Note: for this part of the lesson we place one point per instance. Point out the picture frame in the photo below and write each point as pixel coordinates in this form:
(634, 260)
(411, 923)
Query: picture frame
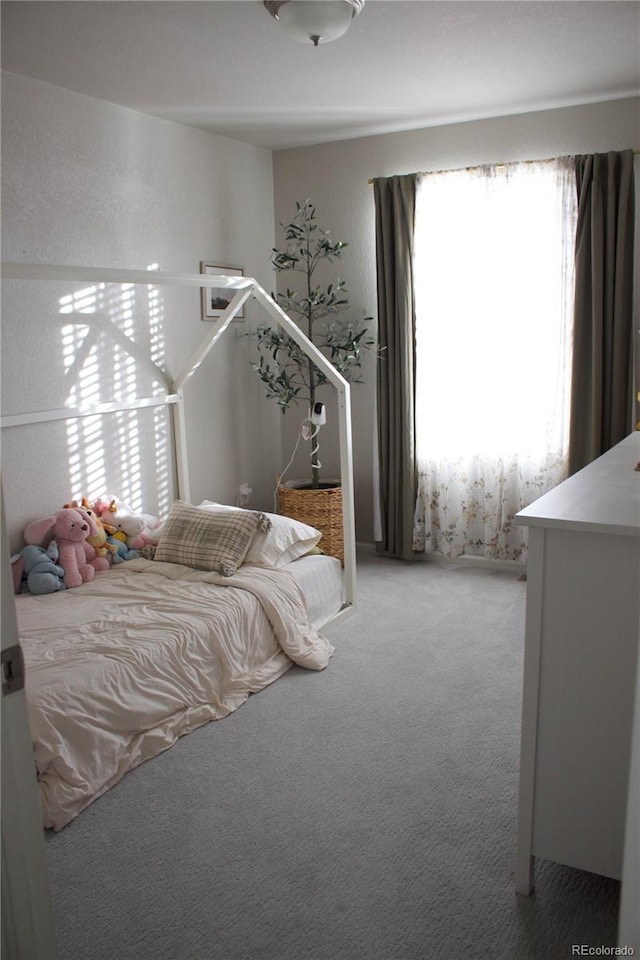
(215, 300)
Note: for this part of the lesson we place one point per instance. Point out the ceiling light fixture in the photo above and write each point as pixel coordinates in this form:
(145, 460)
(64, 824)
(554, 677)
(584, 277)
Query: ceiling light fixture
(315, 21)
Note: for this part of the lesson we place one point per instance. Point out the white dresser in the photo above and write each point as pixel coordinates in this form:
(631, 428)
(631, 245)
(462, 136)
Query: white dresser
(581, 652)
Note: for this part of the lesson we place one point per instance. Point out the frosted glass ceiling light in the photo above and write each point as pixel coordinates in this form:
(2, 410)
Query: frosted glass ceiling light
(315, 21)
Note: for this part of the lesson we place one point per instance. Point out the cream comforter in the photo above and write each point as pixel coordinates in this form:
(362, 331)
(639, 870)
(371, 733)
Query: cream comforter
(119, 668)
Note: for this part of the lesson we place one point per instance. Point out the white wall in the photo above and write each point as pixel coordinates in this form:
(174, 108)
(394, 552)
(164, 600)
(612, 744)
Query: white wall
(335, 177)
(86, 182)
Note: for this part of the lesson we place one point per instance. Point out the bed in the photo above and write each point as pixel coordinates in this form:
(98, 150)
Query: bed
(118, 668)
(121, 667)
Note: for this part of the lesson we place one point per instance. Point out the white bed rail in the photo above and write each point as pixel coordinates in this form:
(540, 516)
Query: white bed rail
(245, 288)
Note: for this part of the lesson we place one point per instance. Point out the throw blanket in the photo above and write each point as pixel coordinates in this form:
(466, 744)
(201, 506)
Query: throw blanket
(119, 668)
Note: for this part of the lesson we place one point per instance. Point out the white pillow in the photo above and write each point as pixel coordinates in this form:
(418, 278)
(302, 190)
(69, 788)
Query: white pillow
(284, 542)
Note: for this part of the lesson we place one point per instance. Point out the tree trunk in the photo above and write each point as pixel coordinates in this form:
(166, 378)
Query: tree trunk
(315, 471)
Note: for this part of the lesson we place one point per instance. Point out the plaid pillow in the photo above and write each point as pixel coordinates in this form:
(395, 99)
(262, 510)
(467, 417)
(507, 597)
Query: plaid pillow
(284, 542)
(208, 541)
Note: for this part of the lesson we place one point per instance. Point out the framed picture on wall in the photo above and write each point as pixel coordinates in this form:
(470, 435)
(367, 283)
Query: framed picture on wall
(215, 300)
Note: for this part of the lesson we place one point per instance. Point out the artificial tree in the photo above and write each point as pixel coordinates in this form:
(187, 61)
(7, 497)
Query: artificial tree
(317, 309)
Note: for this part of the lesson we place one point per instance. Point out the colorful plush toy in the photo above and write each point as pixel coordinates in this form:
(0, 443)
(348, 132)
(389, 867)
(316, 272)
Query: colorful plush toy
(137, 527)
(99, 541)
(117, 544)
(36, 570)
(70, 527)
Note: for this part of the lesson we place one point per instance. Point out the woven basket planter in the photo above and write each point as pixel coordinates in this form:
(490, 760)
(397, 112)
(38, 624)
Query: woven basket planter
(321, 508)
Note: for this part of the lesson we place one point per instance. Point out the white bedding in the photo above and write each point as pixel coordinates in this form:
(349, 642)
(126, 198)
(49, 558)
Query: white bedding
(322, 583)
(119, 668)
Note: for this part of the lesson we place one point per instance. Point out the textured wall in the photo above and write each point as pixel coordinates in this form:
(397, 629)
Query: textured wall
(335, 176)
(86, 182)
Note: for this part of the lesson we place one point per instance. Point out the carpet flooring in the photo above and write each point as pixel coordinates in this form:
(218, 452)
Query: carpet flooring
(367, 812)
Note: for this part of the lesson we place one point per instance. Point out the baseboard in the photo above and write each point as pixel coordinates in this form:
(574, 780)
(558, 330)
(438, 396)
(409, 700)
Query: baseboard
(365, 547)
(514, 566)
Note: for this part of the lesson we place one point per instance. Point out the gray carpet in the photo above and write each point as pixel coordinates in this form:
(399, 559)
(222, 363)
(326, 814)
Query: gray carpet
(363, 813)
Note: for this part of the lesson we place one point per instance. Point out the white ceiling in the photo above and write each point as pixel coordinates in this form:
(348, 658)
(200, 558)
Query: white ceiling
(228, 67)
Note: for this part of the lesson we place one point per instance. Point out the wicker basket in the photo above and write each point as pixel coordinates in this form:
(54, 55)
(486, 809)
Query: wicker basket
(321, 508)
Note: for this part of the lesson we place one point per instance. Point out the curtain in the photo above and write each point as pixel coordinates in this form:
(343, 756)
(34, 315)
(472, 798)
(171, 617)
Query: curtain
(602, 385)
(395, 211)
(494, 256)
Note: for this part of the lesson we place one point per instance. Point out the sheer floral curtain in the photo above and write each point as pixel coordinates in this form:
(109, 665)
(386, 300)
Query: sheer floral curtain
(494, 254)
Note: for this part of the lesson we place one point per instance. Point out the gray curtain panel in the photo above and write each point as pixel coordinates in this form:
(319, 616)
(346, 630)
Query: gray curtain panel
(602, 369)
(395, 210)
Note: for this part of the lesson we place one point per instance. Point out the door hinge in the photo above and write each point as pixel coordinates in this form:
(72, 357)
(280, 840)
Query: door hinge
(12, 669)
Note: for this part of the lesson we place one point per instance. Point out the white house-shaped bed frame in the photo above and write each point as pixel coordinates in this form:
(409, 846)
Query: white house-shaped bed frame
(245, 288)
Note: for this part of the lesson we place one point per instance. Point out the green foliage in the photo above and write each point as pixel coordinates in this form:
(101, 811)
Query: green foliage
(288, 375)
(283, 366)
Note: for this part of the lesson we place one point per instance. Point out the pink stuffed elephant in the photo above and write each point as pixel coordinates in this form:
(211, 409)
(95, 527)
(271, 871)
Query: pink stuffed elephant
(70, 528)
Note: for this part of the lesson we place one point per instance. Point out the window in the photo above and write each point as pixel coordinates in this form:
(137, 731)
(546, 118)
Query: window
(494, 251)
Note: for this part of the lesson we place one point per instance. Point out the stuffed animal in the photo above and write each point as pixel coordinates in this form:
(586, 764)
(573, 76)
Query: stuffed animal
(39, 572)
(114, 548)
(70, 527)
(117, 543)
(137, 527)
(99, 541)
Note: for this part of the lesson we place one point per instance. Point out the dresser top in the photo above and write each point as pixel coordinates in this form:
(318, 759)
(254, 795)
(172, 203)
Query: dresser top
(602, 497)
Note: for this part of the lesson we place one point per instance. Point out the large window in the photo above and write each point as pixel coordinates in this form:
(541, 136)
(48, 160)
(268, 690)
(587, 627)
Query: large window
(494, 253)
